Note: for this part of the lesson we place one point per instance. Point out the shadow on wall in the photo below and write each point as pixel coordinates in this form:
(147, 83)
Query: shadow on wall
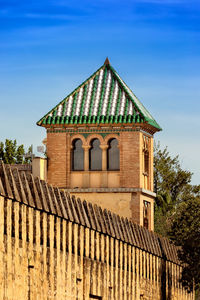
(166, 282)
(166, 278)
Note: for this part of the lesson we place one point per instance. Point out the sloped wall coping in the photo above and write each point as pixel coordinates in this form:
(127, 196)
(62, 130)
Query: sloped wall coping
(38, 194)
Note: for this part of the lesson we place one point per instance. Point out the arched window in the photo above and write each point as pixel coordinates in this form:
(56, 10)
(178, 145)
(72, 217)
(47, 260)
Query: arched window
(95, 156)
(77, 156)
(113, 155)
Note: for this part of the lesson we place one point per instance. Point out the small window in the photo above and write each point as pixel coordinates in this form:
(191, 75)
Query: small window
(146, 223)
(146, 213)
(113, 155)
(146, 162)
(95, 156)
(77, 156)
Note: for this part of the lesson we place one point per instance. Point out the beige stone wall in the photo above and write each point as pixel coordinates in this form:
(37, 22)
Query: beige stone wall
(39, 167)
(119, 203)
(46, 257)
(127, 205)
(95, 179)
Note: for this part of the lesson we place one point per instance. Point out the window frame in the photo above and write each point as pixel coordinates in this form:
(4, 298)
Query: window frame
(72, 156)
(90, 155)
(109, 147)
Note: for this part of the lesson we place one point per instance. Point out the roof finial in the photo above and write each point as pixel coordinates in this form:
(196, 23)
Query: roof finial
(107, 62)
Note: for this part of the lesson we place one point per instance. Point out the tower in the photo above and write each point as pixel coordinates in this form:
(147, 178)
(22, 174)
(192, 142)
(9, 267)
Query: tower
(100, 146)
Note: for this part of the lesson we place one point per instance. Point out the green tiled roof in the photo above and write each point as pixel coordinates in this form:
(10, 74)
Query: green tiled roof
(103, 98)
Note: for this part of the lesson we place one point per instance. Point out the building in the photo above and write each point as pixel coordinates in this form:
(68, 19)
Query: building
(100, 146)
(54, 245)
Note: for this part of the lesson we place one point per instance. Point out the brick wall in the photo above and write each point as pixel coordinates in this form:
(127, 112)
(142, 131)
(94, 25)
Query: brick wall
(130, 159)
(131, 167)
(58, 158)
(130, 174)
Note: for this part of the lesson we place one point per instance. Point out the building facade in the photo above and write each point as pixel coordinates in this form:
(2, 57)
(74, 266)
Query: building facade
(100, 146)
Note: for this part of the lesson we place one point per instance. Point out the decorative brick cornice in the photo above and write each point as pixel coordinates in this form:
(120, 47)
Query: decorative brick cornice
(110, 190)
(102, 131)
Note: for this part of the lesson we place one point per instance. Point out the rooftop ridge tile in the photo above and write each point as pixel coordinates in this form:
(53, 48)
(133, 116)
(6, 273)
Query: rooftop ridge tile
(26, 189)
(19, 185)
(5, 181)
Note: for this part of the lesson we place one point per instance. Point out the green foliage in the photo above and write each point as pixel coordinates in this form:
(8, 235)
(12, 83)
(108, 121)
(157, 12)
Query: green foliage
(11, 153)
(177, 212)
(1, 150)
(185, 231)
(171, 184)
(19, 154)
(10, 149)
(28, 159)
(168, 175)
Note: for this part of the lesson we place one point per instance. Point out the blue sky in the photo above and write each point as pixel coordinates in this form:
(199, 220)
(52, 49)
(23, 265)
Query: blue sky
(47, 48)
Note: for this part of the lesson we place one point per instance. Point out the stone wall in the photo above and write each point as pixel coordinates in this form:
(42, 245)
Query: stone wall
(56, 247)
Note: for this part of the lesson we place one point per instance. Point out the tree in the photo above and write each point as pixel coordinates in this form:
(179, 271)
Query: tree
(171, 184)
(168, 175)
(185, 232)
(28, 159)
(20, 155)
(1, 150)
(11, 153)
(10, 149)
(177, 212)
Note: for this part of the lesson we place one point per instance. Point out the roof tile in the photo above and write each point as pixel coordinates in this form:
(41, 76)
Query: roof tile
(103, 98)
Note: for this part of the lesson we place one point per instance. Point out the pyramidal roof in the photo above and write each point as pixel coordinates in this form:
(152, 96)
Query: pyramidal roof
(103, 98)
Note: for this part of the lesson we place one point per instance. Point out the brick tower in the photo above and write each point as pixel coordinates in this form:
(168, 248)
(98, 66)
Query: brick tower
(100, 146)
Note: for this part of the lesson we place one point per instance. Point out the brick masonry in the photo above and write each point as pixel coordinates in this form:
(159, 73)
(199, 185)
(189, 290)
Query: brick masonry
(58, 158)
(130, 175)
(130, 145)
